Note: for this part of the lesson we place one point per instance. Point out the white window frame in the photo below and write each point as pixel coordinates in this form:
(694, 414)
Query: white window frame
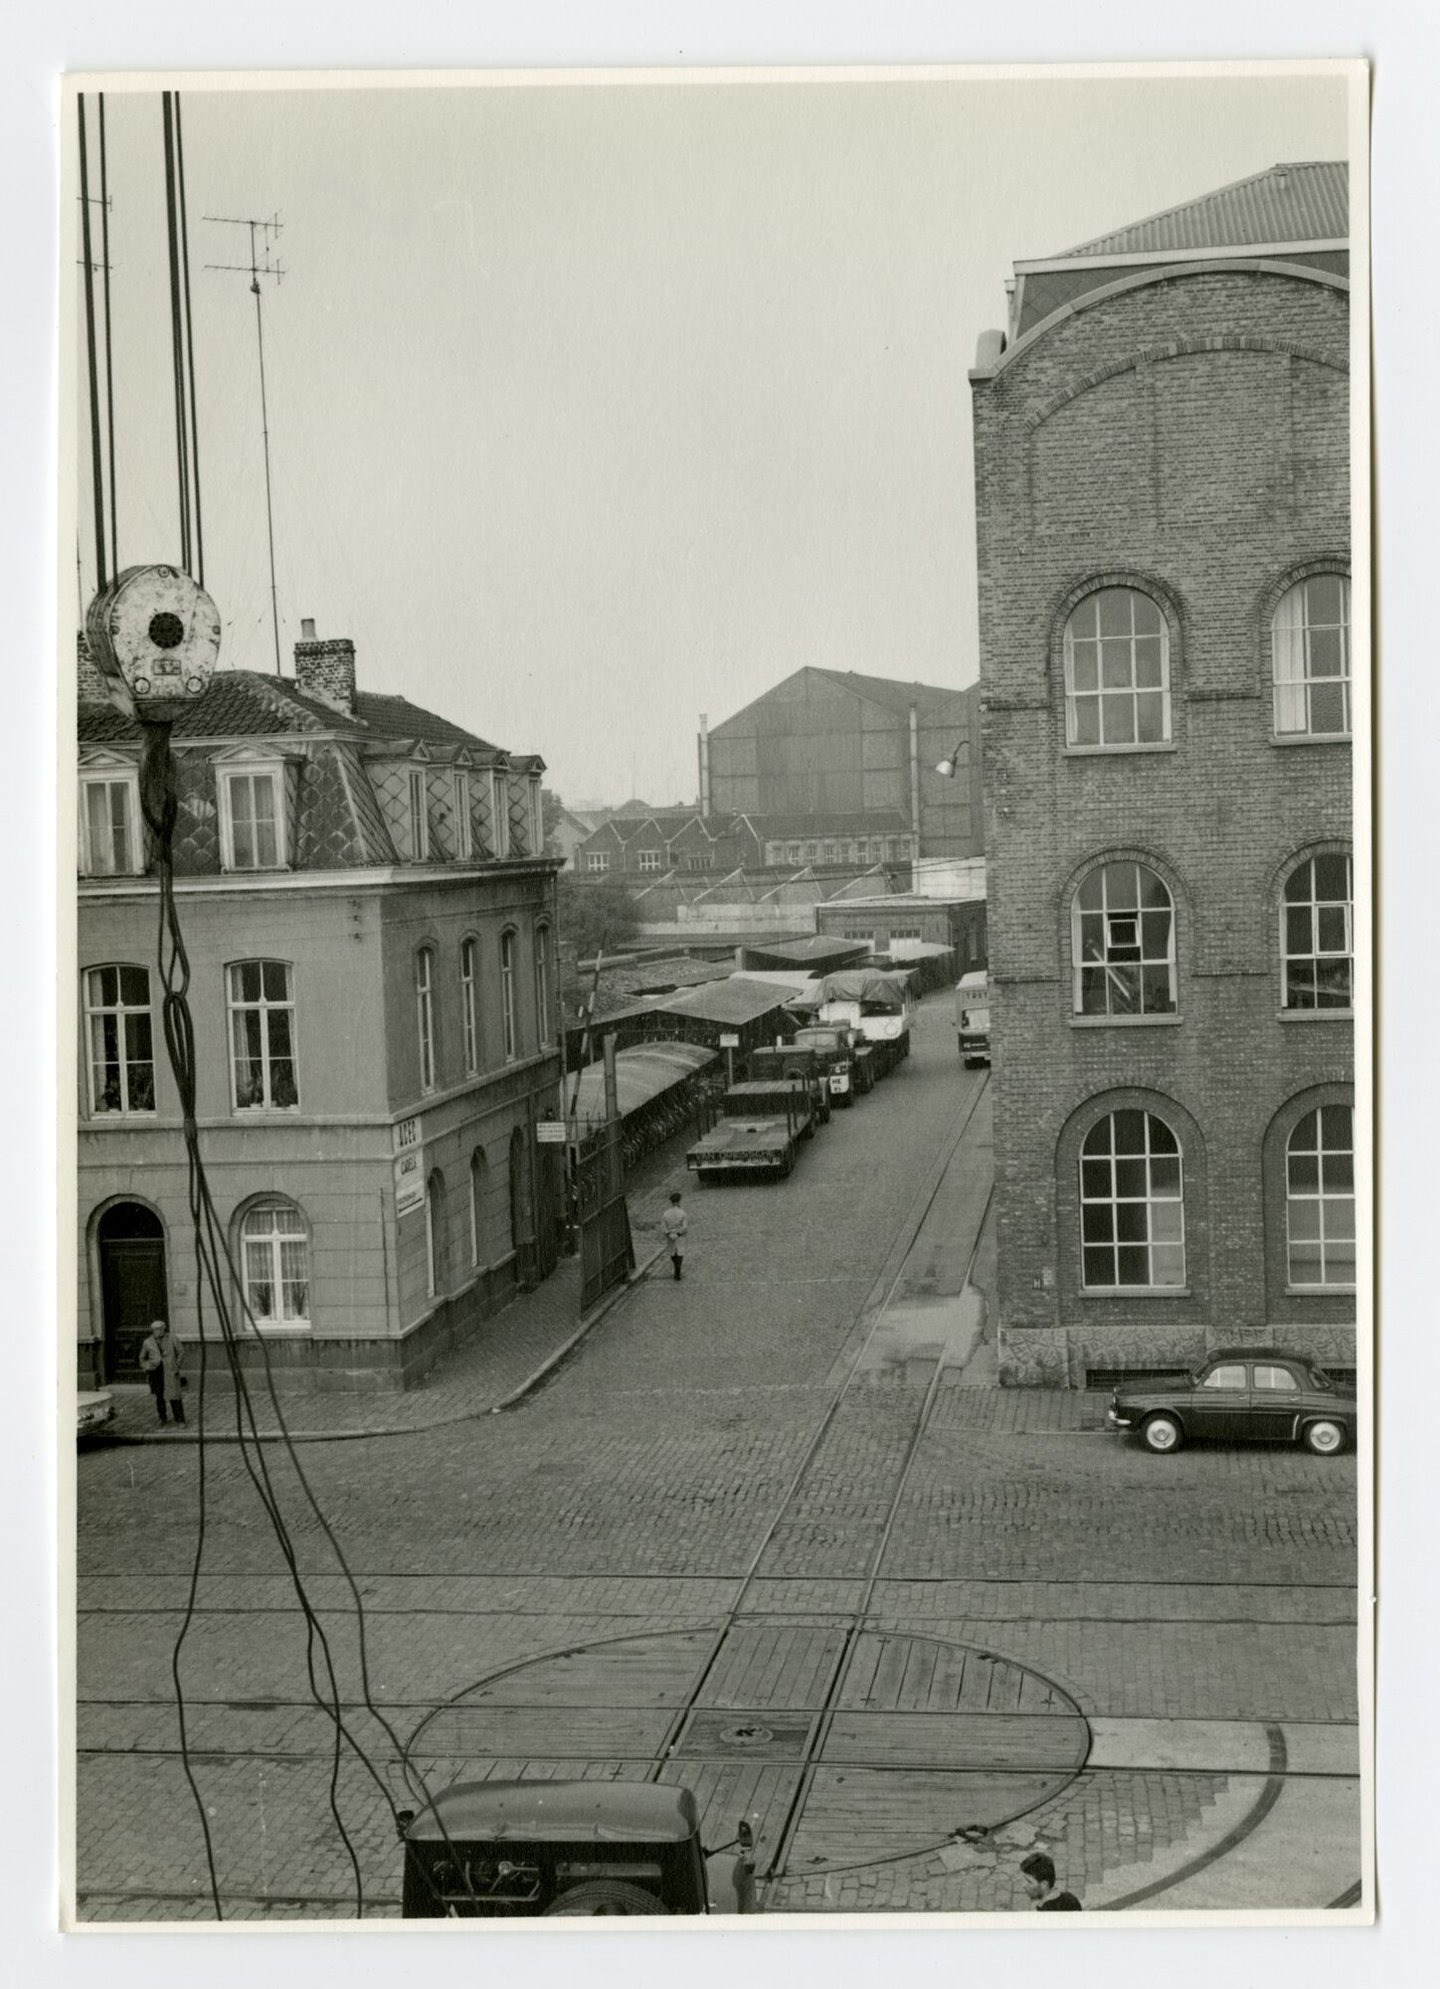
(542, 984)
(500, 812)
(649, 859)
(228, 772)
(419, 791)
(1322, 1199)
(1113, 1199)
(425, 1014)
(1084, 646)
(469, 1011)
(127, 779)
(464, 844)
(507, 994)
(1294, 681)
(597, 860)
(122, 1012)
(1316, 955)
(1115, 926)
(275, 1241)
(264, 1006)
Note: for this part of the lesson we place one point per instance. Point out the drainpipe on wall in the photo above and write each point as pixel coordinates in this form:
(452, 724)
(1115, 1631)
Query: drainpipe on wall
(915, 777)
(704, 743)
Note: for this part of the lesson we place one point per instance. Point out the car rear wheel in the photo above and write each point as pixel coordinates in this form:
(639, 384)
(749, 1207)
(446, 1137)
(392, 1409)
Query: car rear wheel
(606, 1896)
(1325, 1438)
(1162, 1433)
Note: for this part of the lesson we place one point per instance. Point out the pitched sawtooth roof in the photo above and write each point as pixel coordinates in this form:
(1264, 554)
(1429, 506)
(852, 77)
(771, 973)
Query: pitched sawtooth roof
(873, 822)
(1305, 202)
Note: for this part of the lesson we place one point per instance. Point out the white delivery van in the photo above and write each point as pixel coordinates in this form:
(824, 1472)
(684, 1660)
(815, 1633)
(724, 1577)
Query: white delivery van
(972, 1017)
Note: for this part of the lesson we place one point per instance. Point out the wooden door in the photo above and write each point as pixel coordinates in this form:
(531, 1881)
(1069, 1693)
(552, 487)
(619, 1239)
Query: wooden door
(132, 1273)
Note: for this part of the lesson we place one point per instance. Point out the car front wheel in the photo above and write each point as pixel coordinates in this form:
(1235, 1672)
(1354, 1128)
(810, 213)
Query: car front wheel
(1324, 1438)
(1162, 1433)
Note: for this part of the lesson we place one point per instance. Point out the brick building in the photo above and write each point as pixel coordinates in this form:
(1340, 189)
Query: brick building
(1162, 482)
(683, 842)
(370, 928)
(830, 744)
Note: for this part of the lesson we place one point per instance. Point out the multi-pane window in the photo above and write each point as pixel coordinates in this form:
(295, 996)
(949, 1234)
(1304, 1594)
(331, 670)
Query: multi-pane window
(275, 1265)
(1316, 934)
(479, 1169)
(542, 983)
(1320, 1198)
(1117, 671)
(469, 1013)
(597, 859)
(122, 1058)
(252, 834)
(109, 826)
(1132, 1211)
(649, 859)
(436, 1251)
(425, 1015)
(1310, 651)
(507, 993)
(419, 816)
(463, 843)
(262, 1034)
(1122, 943)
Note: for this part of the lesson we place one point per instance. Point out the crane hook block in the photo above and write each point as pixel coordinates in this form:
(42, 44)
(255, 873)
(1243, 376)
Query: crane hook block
(154, 635)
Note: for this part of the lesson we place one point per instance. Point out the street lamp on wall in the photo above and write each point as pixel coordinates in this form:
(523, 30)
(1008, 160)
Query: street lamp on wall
(951, 762)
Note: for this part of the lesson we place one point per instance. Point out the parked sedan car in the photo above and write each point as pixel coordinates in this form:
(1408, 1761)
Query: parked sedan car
(95, 1408)
(1239, 1394)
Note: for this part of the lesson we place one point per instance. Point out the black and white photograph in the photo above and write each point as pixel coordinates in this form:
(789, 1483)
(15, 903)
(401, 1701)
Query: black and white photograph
(715, 997)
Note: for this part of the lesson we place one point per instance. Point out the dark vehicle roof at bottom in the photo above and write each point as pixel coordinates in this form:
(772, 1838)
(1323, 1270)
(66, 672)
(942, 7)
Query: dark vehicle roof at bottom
(531, 1812)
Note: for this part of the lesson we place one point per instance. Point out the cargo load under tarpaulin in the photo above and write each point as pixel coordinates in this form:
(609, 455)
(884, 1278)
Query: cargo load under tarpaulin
(871, 990)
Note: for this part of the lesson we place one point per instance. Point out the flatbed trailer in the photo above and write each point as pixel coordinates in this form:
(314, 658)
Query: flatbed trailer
(759, 1128)
(791, 1060)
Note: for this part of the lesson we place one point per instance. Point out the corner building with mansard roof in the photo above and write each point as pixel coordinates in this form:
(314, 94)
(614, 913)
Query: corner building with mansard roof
(1162, 504)
(370, 926)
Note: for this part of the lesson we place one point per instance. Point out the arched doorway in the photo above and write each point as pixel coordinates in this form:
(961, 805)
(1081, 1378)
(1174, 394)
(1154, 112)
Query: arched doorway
(132, 1285)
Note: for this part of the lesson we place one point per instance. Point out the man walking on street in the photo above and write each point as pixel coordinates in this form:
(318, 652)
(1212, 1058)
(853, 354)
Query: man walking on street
(674, 1224)
(163, 1360)
(1039, 1873)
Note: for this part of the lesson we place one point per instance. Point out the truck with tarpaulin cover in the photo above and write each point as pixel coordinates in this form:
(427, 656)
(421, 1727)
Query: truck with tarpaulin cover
(875, 1005)
(759, 1128)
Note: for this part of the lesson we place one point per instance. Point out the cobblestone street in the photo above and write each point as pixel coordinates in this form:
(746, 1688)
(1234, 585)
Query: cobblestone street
(959, 1609)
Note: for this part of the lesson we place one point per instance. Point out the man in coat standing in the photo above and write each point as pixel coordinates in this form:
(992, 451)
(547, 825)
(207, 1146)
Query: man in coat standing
(674, 1224)
(163, 1360)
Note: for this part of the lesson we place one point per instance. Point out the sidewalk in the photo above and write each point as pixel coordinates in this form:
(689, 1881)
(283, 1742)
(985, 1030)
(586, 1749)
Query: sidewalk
(511, 1353)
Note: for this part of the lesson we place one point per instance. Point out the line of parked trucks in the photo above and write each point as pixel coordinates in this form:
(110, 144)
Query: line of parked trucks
(854, 1031)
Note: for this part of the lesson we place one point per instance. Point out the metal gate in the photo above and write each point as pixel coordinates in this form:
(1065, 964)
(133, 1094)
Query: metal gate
(607, 1253)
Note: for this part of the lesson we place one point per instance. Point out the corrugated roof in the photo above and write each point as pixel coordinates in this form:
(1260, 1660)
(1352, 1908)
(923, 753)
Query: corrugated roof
(640, 1075)
(1305, 202)
(820, 947)
(734, 1000)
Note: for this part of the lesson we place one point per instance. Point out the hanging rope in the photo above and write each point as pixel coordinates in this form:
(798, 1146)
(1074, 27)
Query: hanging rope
(177, 344)
(189, 345)
(109, 346)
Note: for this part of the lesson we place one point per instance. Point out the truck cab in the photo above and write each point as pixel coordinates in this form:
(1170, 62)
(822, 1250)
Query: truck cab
(972, 1018)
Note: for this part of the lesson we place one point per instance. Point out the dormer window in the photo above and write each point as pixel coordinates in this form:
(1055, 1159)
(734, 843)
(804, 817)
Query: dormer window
(252, 818)
(463, 844)
(500, 813)
(419, 816)
(110, 842)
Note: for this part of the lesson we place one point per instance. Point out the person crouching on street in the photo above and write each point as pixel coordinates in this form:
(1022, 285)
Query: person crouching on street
(674, 1223)
(163, 1359)
(1038, 1871)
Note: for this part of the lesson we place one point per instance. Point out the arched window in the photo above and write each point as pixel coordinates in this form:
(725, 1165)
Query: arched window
(425, 1014)
(262, 1035)
(507, 993)
(1310, 656)
(1117, 671)
(1316, 939)
(479, 1181)
(469, 1009)
(1122, 943)
(436, 1251)
(122, 1055)
(1320, 1198)
(542, 983)
(275, 1264)
(1132, 1208)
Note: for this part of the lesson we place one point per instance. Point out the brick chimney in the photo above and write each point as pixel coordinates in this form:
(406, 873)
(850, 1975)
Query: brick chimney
(89, 683)
(326, 670)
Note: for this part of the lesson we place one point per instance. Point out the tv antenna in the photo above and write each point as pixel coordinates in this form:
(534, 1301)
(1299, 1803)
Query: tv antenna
(264, 261)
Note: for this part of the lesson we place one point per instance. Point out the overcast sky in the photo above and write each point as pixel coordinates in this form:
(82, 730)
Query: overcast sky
(593, 409)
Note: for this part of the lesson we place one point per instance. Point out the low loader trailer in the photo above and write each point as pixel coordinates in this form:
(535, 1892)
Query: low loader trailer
(761, 1124)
